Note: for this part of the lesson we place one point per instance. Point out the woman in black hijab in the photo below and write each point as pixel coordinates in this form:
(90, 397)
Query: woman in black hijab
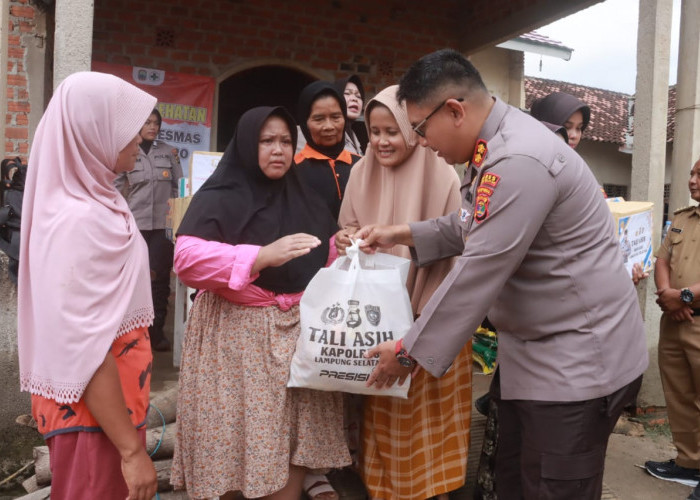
(565, 110)
(353, 91)
(252, 239)
(324, 163)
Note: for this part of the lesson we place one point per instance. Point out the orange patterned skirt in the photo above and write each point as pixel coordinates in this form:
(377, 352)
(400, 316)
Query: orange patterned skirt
(417, 448)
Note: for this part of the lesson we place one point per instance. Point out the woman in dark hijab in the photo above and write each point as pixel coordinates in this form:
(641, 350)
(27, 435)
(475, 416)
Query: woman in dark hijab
(324, 163)
(355, 132)
(566, 110)
(560, 130)
(252, 239)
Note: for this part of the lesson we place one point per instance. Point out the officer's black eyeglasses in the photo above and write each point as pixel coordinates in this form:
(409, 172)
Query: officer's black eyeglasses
(418, 129)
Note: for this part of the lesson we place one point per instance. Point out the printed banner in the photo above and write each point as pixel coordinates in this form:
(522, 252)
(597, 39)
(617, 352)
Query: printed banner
(185, 102)
(634, 223)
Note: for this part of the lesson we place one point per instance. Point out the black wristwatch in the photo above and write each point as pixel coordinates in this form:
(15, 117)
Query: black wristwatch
(687, 296)
(403, 357)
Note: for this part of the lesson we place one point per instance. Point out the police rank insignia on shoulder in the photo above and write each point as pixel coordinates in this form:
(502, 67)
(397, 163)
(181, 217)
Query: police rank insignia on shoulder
(479, 153)
(685, 209)
(176, 155)
(484, 191)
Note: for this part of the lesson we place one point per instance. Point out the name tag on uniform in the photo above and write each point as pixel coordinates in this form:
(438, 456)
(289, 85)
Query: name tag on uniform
(676, 230)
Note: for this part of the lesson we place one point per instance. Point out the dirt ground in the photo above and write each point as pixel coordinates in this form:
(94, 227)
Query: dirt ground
(627, 481)
(624, 479)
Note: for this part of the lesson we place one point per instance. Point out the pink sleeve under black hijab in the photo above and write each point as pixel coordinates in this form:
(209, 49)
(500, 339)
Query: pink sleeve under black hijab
(238, 204)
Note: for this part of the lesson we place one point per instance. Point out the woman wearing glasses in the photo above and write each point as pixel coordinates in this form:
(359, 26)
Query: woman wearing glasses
(415, 448)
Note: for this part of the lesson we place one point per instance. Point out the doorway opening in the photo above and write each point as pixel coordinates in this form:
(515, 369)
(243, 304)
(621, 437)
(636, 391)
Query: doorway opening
(269, 85)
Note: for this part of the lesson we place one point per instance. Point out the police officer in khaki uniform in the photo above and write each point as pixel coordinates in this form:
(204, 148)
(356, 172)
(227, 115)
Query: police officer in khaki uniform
(147, 189)
(537, 253)
(677, 276)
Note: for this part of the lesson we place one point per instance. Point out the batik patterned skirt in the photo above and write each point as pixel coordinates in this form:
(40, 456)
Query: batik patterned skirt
(238, 426)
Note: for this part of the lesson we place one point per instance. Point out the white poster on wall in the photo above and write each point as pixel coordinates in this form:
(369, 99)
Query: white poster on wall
(202, 165)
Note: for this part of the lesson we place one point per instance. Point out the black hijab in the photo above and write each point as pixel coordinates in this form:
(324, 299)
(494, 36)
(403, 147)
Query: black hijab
(355, 127)
(146, 145)
(557, 107)
(343, 82)
(310, 94)
(239, 204)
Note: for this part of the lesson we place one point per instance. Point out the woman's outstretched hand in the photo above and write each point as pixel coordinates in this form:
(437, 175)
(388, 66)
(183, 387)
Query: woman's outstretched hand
(283, 250)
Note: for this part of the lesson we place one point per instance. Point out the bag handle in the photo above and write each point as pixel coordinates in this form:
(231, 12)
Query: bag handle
(353, 253)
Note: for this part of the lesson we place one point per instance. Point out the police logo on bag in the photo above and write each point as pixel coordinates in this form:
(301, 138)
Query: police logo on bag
(333, 315)
(374, 315)
(354, 319)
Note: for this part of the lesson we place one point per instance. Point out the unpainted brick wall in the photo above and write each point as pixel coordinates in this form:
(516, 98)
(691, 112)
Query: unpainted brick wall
(376, 40)
(21, 22)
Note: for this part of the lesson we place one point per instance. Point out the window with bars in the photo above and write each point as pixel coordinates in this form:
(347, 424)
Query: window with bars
(615, 190)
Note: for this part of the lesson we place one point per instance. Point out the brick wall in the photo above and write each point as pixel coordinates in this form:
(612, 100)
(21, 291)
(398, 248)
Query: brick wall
(377, 40)
(20, 32)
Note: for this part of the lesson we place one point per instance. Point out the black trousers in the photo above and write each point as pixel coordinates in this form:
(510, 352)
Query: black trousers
(552, 450)
(160, 257)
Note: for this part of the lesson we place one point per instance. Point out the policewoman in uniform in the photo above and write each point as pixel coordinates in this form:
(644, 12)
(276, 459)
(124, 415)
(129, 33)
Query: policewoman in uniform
(147, 189)
(537, 252)
(677, 276)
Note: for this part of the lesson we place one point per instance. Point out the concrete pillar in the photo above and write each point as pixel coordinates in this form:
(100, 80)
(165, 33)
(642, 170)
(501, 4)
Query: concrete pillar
(4, 29)
(516, 79)
(649, 156)
(73, 38)
(686, 137)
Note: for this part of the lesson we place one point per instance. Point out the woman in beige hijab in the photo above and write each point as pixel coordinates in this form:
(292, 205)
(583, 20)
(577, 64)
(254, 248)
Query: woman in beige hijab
(415, 448)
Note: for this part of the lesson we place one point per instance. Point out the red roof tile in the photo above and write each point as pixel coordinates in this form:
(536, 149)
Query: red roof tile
(609, 110)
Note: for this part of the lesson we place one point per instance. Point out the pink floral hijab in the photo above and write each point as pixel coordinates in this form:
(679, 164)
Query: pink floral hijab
(84, 278)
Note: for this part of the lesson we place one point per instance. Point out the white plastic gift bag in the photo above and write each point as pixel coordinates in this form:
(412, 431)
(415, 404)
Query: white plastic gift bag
(348, 308)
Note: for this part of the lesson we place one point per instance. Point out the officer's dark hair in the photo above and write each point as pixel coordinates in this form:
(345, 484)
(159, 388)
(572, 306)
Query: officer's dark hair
(157, 113)
(435, 71)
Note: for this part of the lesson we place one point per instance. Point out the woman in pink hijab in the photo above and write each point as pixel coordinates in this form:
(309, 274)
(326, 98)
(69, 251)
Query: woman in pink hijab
(84, 299)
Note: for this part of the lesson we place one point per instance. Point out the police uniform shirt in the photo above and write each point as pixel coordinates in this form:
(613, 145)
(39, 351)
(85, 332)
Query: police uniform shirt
(681, 248)
(539, 255)
(150, 184)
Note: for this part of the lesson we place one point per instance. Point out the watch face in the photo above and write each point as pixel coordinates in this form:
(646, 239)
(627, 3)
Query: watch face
(687, 296)
(404, 361)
